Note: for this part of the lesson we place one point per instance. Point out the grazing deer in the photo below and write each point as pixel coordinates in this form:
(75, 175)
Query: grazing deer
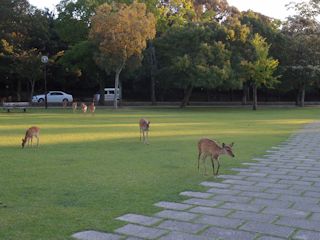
(30, 133)
(144, 129)
(208, 147)
(74, 106)
(84, 107)
(92, 108)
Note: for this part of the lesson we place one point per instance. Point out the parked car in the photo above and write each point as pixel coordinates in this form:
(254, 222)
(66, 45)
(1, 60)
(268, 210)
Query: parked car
(108, 94)
(53, 97)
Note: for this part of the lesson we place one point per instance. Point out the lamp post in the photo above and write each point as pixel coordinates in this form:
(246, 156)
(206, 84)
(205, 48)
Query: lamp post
(44, 60)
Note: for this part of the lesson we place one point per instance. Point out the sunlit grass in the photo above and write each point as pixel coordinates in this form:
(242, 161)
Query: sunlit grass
(90, 169)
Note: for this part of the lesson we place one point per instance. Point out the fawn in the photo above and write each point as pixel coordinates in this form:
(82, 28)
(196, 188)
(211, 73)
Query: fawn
(30, 133)
(144, 129)
(92, 108)
(74, 106)
(209, 147)
(84, 107)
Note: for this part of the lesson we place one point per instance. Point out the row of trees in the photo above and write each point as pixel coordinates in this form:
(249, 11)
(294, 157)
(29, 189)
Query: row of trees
(182, 44)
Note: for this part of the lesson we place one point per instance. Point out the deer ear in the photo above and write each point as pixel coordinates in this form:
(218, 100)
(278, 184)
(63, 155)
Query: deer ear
(231, 145)
(223, 145)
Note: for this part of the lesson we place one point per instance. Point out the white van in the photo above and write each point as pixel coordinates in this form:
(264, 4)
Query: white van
(108, 94)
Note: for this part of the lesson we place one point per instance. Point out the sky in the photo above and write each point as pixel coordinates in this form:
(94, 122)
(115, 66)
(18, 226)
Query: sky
(271, 8)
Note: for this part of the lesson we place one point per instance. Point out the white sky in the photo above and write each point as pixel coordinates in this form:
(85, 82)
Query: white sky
(271, 8)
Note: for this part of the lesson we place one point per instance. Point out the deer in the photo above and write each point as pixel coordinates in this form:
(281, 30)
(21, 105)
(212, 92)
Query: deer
(74, 106)
(211, 148)
(92, 108)
(30, 133)
(84, 107)
(144, 125)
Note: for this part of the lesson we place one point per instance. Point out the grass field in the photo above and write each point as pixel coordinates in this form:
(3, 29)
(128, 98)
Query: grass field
(90, 169)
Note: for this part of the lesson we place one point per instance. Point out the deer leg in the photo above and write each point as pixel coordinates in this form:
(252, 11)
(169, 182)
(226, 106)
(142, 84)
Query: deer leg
(218, 165)
(199, 155)
(37, 141)
(140, 134)
(147, 137)
(212, 165)
(204, 163)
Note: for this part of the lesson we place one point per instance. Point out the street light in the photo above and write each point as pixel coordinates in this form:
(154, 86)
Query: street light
(44, 60)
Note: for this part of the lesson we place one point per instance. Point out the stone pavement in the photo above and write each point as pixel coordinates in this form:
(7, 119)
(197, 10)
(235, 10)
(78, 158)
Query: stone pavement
(276, 197)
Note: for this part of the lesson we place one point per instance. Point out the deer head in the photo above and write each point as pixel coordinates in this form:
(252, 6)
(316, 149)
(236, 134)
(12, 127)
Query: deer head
(228, 149)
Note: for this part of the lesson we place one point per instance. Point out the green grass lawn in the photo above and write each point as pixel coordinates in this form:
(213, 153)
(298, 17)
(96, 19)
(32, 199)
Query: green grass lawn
(90, 169)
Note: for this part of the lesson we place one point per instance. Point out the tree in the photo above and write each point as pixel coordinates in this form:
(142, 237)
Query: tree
(260, 71)
(302, 61)
(120, 31)
(193, 56)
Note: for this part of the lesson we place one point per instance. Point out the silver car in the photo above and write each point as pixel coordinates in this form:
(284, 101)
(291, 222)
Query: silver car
(53, 97)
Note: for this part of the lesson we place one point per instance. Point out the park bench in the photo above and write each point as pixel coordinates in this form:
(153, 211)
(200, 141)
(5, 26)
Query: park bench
(13, 105)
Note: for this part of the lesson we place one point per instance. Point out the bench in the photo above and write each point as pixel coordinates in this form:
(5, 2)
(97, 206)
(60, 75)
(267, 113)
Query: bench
(12, 105)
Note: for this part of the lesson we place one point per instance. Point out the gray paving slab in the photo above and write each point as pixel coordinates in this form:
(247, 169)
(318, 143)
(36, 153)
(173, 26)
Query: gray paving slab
(139, 219)
(95, 235)
(173, 205)
(141, 231)
(182, 226)
(270, 229)
(210, 211)
(196, 194)
(228, 234)
(220, 221)
(307, 235)
(177, 215)
(183, 236)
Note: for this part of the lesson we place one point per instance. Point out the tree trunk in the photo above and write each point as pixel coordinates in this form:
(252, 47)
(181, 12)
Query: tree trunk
(302, 96)
(19, 90)
(101, 92)
(244, 94)
(187, 96)
(116, 86)
(153, 62)
(255, 97)
(32, 84)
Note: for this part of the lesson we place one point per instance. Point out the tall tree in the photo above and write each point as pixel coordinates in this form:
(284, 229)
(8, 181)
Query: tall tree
(302, 62)
(261, 70)
(120, 31)
(193, 56)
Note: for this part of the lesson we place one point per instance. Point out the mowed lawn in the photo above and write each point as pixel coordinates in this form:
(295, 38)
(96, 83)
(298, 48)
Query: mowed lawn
(90, 169)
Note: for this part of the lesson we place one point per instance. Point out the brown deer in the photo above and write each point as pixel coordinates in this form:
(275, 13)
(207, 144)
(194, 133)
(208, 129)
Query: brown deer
(92, 108)
(74, 106)
(144, 129)
(209, 147)
(30, 133)
(84, 107)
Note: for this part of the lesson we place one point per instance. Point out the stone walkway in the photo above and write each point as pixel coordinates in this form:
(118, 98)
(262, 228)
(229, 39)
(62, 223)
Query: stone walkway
(277, 197)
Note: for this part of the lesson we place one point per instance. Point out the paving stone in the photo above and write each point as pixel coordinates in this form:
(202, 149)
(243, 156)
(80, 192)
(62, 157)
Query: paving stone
(259, 195)
(307, 235)
(293, 182)
(177, 215)
(210, 211)
(262, 179)
(223, 191)
(286, 212)
(266, 185)
(236, 177)
(219, 221)
(215, 184)
(270, 229)
(272, 203)
(196, 194)
(173, 205)
(182, 226)
(248, 188)
(94, 235)
(228, 234)
(134, 238)
(268, 218)
(139, 219)
(305, 200)
(312, 194)
(183, 236)
(243, 207)
(284, 191)
(141, 231)
(270, 238)
(315, 217)
(299, 223)
(239, 182)
(202, 202)
(228, 198)
(307, 207)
